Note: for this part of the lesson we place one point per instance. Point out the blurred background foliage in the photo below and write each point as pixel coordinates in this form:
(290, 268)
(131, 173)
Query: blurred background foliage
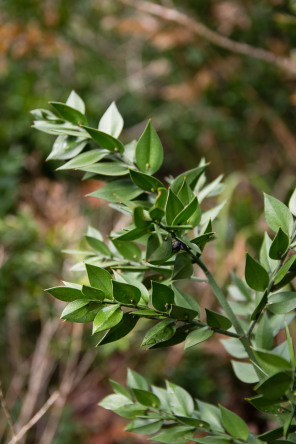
(233, 109)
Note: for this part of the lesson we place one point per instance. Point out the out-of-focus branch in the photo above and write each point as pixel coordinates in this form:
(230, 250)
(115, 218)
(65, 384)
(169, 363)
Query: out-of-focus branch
(51, 400)
(178, 17)
(7, 414)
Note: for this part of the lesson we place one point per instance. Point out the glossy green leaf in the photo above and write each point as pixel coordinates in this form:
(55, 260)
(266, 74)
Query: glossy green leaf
(275, 386)
(146, 398)
(128, 250)
(101, 279)
(76, 102)
(284, 270)
(211, 414)
(131, 411)
(159, 248)
(181, 401)
(106, 141)
(98, 245)
(106, 169)
(197, 336)
(279, 245)
(185, 194)
(162, 331)
(136, 381)
(179, 336)
(65, 129)
(158, 209)
(140, 219)
(176, 434)
(144, 181)
(216, 320)
(245, 372)
(66, 147)
(234, 347)
(212, 440)
(75, 310)
(92, 294)
(147, 313)
(183, 299)
(270, 362)
(162, 296)
(264, 333)
(191, 214)
(282, 303)
(107, 317)
(290, 345)
(183, 267)
(123, 328)
(144, 426)
(69, 114)
(292, 203)
(277, 214)
(111, 122)
(115, 401)
(182, 314)
(120, 389)
(173, 207)
(149, 151)
(191, 177)
(130, 234)
(256, 276)
(203, 239)
(84, 159)
(126, 293)
(234, 425)
(117, 191)
(66, 294)
(268, 263)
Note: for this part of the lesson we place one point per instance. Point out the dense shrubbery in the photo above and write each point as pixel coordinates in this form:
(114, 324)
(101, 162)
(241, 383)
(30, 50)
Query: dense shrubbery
(139, 274)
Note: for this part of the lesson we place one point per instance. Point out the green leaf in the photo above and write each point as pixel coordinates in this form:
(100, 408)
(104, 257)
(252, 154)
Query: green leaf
(60, 129)
(279, 245)
(126, 293)
(92, 294)
(264, 333)
(179, 336)
(111, 122)
(128, 250)
(76, 102)
(234, 425)
(212, 440)
(131, 411)
(106, 141)
(136, 381)
(66, 294)
(84, 159)
(197, 336)
(66, 147)
(211, 414)
(147, 313)
(162, 296)
(211, 214)
(173, 207)
(191, 214)
(290, 345)
(216, 320)
(181, 401)
(146, 398)
(292, 203)
(117, 191)
(277, 215)
(158, 209)
(183, 267)
(149, 152)
(183, 314)
(107, 317)
(256, 276)
(234, 348)
(275, 386)
(106, 169)
(120, 389)
(114, 401)
(176, 434)
(69, 114)
(284, 270)
(268, 263)
(144, 426)
(183, 299)
(270, 362)
(98, 245)
(245, 372)
(75, 310)
(162, 331)
(191, 177)
(159, 248)
(122, 329)
(203, 239)
(101, 279)
(140, 219)
(144, 181)
(282, 303)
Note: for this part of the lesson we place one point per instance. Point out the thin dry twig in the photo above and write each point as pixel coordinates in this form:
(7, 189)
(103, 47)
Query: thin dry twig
(51, 400)
(175, 16)
(7, 413)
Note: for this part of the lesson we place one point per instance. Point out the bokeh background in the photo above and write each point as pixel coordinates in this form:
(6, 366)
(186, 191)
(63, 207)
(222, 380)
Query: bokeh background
(238, 111)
